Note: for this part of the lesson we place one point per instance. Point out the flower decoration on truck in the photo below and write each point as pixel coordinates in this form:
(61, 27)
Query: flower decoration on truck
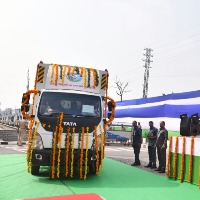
(74, 74)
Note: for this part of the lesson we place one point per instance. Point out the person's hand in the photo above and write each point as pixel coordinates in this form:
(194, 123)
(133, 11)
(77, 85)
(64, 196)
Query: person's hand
(163, 146)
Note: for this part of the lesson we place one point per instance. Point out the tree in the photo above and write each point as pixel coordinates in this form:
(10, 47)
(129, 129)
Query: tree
(121, 87)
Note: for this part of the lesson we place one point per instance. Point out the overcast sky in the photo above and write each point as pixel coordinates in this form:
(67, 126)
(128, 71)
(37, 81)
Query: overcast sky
(102, 34)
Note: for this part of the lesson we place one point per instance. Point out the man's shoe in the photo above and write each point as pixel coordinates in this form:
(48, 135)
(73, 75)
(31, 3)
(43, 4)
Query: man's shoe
(149, 165)
(162, 171)
(153, 167)
(157, 169)
(133, 164)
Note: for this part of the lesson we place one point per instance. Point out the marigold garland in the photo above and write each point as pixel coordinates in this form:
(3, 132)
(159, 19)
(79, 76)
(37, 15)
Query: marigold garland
(86, 154)
(32, 146)
(30, 133)
(102, 147)
(54, 153)
(97, 149)
(67, 152)
(84, 78)
(63, 75)
(81, 155)
(72, 153)
(191, 159)
(175, 158)
(59, 135)
(26, 96)
(169, 157)
(94, 77)
(68, 70)
(113, 111)
(182, 161)
(73, 69)
(52, 73)
(81, 71)
(56, 78)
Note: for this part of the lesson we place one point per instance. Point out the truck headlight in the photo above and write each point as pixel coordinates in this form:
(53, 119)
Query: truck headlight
(38, 142)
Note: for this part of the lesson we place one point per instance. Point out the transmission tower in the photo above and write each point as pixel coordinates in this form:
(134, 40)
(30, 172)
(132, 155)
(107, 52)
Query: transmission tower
(28, 79)
(146, 72)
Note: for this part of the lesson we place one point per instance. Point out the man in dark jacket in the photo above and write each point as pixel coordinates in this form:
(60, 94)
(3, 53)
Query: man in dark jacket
(161, 144)
(151, 137)
(136, 142)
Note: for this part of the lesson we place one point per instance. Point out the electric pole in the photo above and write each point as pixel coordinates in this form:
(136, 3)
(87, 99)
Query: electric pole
(146, 72)
(28, 79)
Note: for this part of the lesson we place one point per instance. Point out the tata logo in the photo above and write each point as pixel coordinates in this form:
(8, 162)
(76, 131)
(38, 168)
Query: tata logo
(69, 123)
(74, 77)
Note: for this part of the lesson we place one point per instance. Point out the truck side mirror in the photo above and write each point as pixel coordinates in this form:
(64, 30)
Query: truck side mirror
(110, 106)
(25, 108)
(25, 97)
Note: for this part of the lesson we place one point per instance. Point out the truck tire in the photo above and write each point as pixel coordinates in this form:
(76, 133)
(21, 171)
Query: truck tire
(92, 165)
(92, 168)
(35, 170)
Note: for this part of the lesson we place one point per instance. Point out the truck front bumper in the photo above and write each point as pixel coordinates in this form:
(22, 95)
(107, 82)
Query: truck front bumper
(42, 157)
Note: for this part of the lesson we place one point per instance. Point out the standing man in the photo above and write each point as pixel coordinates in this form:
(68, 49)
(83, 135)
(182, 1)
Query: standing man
(161, 144)
(151, 137)
(136, 142)
(22, 128)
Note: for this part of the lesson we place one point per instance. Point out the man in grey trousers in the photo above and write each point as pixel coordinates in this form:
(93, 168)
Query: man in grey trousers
(161, 144)
(151, 137)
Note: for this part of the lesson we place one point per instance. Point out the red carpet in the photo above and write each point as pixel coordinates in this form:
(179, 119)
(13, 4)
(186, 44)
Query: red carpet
(71, 197)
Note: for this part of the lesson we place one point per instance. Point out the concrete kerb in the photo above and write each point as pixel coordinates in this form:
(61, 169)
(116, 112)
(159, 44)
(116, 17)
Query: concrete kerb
(11, 142)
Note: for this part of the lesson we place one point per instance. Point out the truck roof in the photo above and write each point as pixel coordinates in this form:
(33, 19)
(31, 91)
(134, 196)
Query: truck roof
(65, 77)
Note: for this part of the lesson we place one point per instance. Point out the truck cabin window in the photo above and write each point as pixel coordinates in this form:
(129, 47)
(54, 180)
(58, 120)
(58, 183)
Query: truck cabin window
(70, 104)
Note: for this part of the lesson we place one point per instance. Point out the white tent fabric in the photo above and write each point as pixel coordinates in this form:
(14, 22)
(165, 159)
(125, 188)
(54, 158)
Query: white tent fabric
(166, 108)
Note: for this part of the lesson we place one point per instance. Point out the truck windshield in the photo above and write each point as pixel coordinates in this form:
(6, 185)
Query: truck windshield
(53, 103)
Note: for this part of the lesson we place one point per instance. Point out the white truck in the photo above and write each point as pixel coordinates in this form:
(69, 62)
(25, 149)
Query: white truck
(67, 125)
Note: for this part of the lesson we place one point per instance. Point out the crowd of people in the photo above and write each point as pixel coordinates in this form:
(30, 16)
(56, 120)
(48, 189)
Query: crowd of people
(157, 141)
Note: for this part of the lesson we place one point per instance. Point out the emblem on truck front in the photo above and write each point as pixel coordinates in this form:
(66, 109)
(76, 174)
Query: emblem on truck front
(69, 123)
(74, 77)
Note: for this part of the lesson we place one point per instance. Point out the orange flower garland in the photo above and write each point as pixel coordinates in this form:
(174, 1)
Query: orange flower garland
(68, 70)
(26, 96)
(96, 148)
(86, 154)
(84, 78)
(73, 68)
(94, 77)
(81, 155)
(32, 146)
(102, 146)
(113, 111)
(29, 140)
(169, 157)
(56, 78)
(54, 154)
(72, 152)
(81, 71)
(60, 131)
(67, 152)
(52, 73)
(182, 161)
(63, 75)
(191, 159)
(175, 158)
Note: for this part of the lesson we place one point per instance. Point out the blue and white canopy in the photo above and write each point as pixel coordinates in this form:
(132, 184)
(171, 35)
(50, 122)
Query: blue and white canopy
(168, 107)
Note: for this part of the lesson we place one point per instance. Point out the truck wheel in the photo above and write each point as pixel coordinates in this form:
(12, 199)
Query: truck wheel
(92, 168)
(35, 170)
